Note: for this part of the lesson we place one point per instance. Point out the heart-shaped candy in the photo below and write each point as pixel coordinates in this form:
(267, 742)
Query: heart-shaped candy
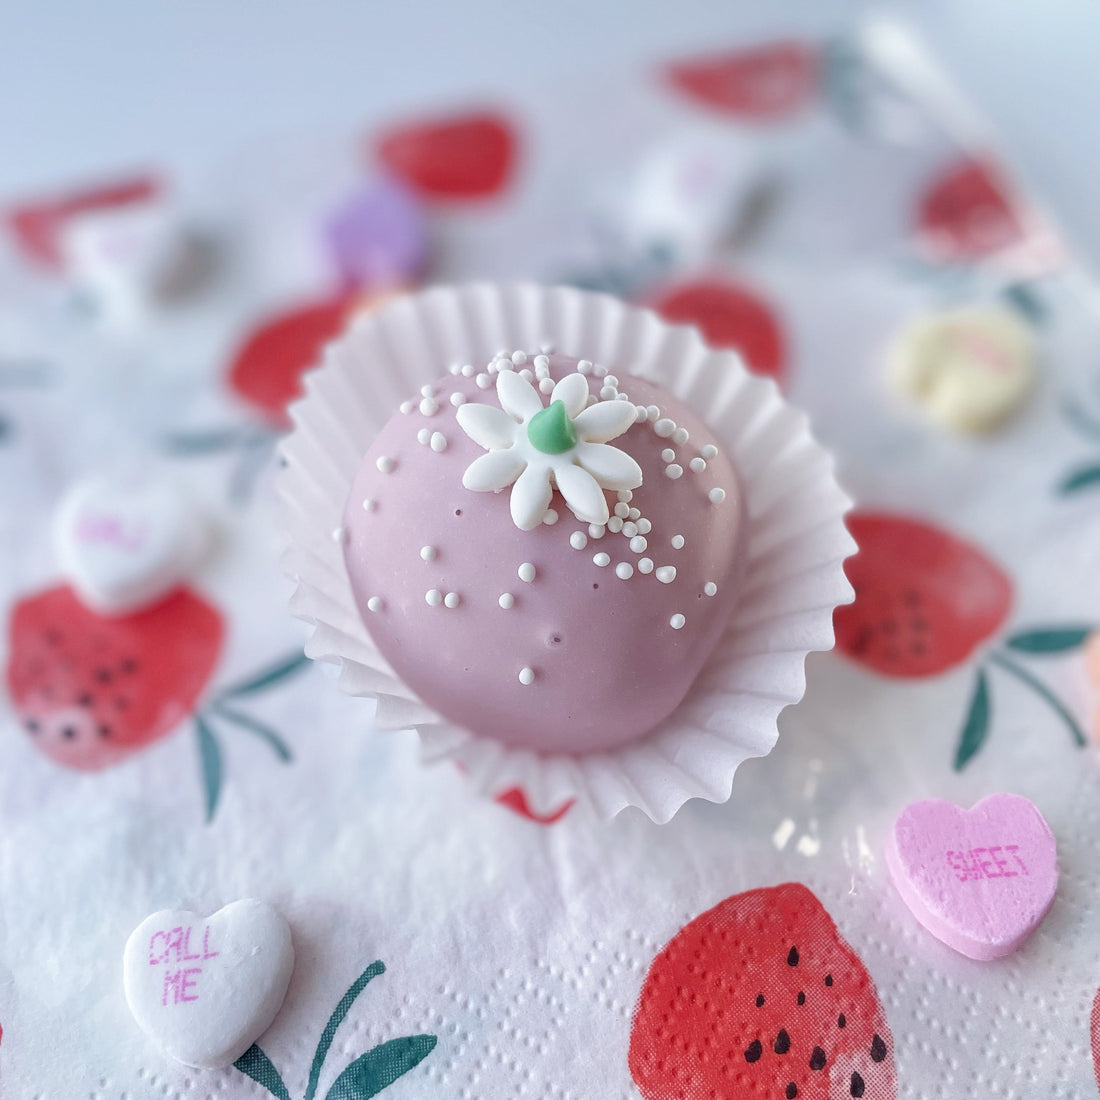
(981, 880)
(123, 544)
(204, 989)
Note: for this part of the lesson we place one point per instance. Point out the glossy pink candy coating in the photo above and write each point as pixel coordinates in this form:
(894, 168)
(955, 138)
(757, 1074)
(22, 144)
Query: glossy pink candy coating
(608, 666)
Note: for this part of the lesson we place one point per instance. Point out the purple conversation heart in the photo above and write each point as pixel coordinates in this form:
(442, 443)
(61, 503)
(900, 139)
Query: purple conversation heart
(981, 879)
(378, 235)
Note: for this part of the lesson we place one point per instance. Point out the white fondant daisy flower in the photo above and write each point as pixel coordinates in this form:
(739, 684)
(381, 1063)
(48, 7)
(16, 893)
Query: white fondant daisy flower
(535, 448)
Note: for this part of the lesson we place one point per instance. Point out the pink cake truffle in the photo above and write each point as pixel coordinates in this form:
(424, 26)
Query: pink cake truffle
(545, 553)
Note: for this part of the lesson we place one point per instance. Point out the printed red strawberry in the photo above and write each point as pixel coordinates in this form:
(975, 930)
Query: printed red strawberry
(760, 997)
(455, 157)
(766, 82)
(966, 213)
(515, 799)
(37, 226)
(267, 368)
(728, 315)
(92, 690)
(925, 600)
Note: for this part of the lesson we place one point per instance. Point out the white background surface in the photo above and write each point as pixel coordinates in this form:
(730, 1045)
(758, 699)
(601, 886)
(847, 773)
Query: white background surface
(87, 88)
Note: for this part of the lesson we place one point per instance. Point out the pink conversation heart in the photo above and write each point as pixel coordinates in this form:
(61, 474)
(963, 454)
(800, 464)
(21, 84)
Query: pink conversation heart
(980, 880)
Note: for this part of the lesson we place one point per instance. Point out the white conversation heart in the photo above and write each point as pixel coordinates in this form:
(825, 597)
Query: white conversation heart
(123, 545)
(970, 369)
(204, 989)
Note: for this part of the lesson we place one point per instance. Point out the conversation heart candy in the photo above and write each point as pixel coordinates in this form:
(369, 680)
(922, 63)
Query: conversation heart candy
(204, 989)
(969, 369)
(124, 543)
(981, 880)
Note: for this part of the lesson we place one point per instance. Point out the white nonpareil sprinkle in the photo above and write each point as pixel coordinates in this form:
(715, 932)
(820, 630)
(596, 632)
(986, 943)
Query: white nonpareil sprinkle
(483, 381)
(578, 540)
(664, 427)
(550, 518)
(429, 406)
(526, 572)
(385, 464)
(599, 370)
(339, 534)
(717, 496)
(458, 399)
(526, 676)
(542, 362)
(601, 559)
(615, 524)
(374, 603)
(595, 530)
(546, 385)
(624, 570)
(455, 368)
(626, 496)
(608, 393)
(548, 347)
(424, 436)
(644, 526)
(439, 442)
(666, 574)
(635, 513)
(677, 542)
(710, 451)
(630, 529)
(407, 407)
(698, 465)
(425, 391)
(527, 375)
(710, 588)
(468, 370)
(622, 509)
(653, 412)
(428, 553)
(368, 505)
(675, 471)
(433, 597)
(645, 565)
(584, 366)
(506, 600)
(451, 599)
(680, 436)
(677, 622)
(668, 455)
(639, 544)
(519, 358)
(640, 414)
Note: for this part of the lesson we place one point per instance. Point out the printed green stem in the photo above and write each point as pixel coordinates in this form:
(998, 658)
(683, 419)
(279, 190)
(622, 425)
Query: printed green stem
(265, 678)
(335, 1020)
(210, 757)
(253, 726)
(255, 1063)
(1022, 674)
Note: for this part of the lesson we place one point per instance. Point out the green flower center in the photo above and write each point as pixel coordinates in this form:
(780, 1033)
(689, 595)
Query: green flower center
(551, 431)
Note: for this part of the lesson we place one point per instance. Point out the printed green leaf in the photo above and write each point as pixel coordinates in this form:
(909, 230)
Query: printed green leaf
(267, 677)
(211, 756)
(1023, 299)
(370, 1073)
(211, 441)
(1054, 640)
(255, 726)
(335, 1020)
(977, 724)
(1080, 479)
(255, 1064)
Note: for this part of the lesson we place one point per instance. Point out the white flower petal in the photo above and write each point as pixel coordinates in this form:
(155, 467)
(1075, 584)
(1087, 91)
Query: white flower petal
(518, 398)
(573, 391)
(488, 427)
(604, 420)
(531, 497)
(582, 494)
(612, 468)
(493, 471)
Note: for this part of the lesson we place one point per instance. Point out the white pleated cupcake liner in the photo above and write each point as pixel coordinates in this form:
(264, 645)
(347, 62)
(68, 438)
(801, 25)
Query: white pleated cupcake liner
(797, 541)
